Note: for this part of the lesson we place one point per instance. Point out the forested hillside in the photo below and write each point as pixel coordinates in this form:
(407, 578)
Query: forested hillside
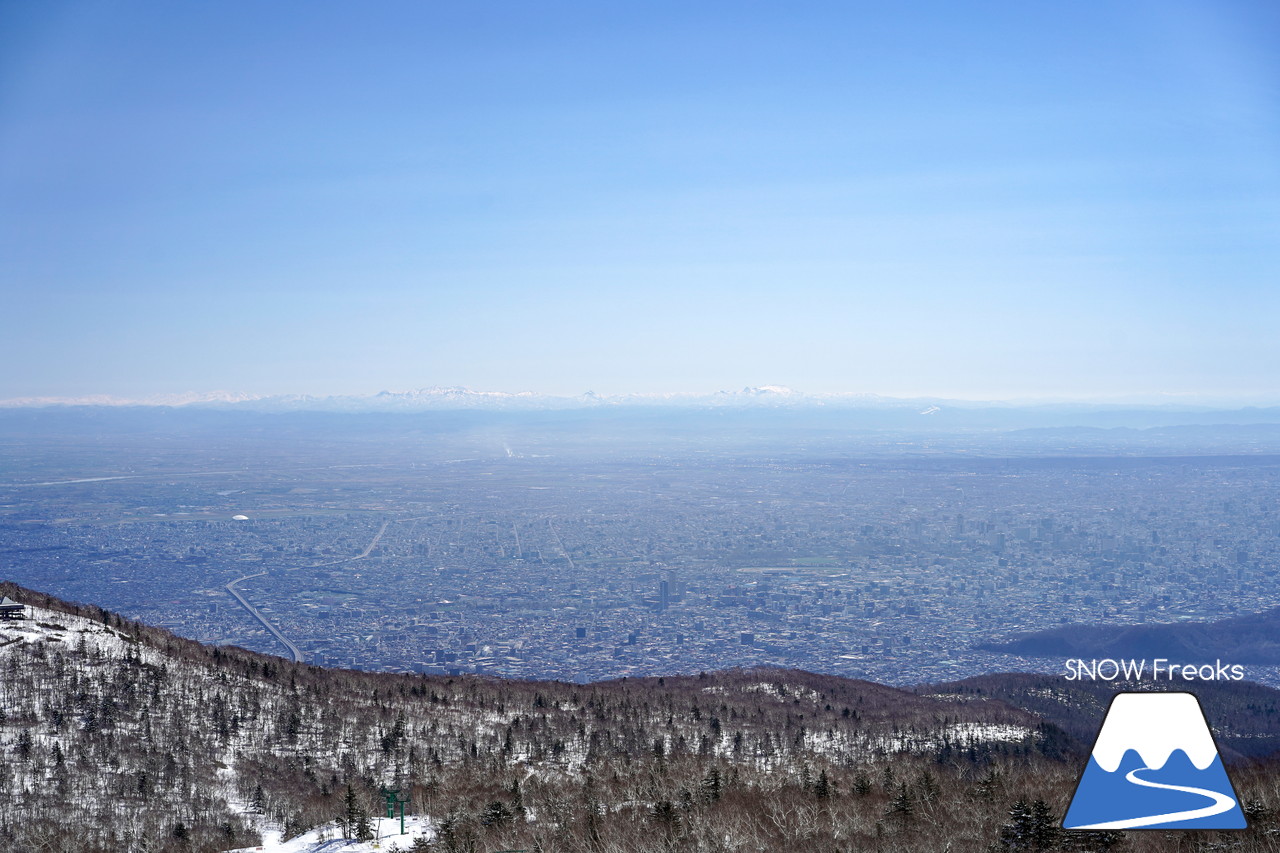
(1245, 715)
(116, 736)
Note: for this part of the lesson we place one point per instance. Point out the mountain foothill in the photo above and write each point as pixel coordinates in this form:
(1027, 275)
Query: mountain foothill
(116, 735)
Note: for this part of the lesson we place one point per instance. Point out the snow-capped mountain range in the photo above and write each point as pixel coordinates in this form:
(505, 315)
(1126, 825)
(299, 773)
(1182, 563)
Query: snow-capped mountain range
(458, 397)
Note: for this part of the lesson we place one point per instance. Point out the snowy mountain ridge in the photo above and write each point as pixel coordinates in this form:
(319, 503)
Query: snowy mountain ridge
(458, 397)
(768, 396)
(121, 736)
(118, 736)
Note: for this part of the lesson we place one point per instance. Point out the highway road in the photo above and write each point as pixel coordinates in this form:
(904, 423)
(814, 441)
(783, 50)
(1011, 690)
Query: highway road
(257, 614)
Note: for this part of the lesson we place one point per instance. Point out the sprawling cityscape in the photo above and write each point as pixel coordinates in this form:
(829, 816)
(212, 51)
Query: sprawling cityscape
(639, 427)
(468, 553)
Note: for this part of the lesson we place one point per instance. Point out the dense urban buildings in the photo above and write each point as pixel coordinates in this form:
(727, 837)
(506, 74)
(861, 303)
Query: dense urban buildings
(886, 560)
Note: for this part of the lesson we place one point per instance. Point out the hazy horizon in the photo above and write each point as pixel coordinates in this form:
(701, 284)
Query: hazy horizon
(775, 393)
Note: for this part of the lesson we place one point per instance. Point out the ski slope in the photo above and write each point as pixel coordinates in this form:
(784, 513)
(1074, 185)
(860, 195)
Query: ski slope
(323, 840)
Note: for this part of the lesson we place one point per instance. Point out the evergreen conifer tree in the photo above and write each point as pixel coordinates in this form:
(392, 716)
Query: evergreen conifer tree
(822, 788)
(902, 808)
(354, 822)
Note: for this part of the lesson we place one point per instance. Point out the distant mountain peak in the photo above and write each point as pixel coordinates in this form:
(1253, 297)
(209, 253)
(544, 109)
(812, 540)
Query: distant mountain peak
(943, 413)
(765, 390)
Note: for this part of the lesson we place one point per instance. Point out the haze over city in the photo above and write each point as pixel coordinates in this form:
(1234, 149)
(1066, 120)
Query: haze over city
(636, 427)
(685, 242)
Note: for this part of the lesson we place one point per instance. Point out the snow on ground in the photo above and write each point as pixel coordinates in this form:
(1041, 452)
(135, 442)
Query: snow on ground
(63, 629)
(959, 735)
(784, 691)
(323, 840)
(976, 732)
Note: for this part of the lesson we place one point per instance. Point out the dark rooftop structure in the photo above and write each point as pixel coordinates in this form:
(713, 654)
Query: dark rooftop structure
(10, 609)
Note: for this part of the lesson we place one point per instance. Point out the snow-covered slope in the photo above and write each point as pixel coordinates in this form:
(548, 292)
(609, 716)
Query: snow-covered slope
(118, 735)
(78, 634)
(387, 839)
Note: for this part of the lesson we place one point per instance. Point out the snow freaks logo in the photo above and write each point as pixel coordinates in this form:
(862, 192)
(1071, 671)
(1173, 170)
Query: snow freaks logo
(1109, 669)
(1154, 766)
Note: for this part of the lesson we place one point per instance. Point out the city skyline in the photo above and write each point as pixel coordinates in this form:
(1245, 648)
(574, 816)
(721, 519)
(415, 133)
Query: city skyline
(995, 203)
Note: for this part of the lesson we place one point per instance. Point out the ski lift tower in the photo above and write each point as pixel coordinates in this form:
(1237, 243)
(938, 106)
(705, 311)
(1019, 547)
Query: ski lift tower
(395, 797)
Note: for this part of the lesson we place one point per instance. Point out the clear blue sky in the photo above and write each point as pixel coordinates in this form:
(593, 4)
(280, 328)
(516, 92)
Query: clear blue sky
(985, 200)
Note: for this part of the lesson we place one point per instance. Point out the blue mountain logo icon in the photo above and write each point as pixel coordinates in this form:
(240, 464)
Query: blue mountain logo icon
(1154, 766)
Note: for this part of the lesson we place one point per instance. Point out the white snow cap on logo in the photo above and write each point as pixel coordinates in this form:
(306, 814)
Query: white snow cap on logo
(1154, 724)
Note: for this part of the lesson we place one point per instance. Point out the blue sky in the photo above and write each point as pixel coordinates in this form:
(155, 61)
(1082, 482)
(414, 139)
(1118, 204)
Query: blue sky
(983, 200)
